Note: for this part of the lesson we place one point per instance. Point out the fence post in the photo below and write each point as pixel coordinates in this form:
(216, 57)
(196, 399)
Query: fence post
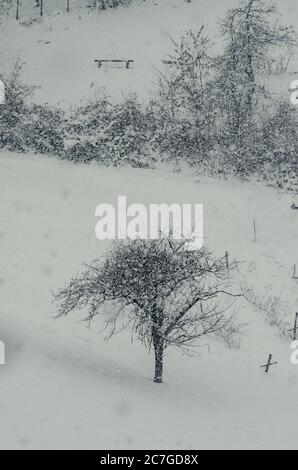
(295, 327)
(227, 259)
(18, 10)
(255, 230)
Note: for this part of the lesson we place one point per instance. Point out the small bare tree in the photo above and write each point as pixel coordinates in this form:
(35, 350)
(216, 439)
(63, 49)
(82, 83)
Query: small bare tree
(167, 294)
(186, 94)
(252, 32)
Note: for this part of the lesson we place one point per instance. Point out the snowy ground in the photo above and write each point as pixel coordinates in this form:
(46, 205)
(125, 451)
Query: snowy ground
(64, 387)
(59, 52)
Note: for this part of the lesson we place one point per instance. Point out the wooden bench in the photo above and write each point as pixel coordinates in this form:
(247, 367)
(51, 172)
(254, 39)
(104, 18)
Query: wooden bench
(125, 61)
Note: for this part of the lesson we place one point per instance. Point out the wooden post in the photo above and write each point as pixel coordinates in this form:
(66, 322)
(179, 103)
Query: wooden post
(18, 10)
(41, 7)
(227, 259)
(269, 363)
(295, 327)
(67, 6)
(294, 272)
(255, 230)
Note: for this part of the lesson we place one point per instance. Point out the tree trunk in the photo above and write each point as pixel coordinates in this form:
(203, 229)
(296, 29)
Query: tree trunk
(158, 343)
(158, 352)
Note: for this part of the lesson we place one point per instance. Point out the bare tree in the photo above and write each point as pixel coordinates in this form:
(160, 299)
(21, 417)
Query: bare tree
(251, 31)
(185, 89)
(167, 294)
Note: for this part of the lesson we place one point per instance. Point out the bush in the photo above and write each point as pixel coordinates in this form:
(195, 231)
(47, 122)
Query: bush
(25, 126)
(44, 131)
(111, 134)
(104, 4)
(84, 152)
(15, 111)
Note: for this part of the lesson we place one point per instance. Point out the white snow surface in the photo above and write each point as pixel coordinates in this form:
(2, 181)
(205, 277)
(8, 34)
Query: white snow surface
(59, 52)
(63, 386)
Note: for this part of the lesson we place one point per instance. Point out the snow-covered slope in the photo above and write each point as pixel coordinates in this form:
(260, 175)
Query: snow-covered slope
(64, 387)
(59, 52)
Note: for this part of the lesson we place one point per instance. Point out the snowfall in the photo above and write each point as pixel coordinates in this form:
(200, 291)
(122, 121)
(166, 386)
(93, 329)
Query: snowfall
(63, 386)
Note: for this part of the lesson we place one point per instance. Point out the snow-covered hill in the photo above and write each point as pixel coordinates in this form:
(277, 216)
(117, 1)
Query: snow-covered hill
(59, 52)
(64, 387)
